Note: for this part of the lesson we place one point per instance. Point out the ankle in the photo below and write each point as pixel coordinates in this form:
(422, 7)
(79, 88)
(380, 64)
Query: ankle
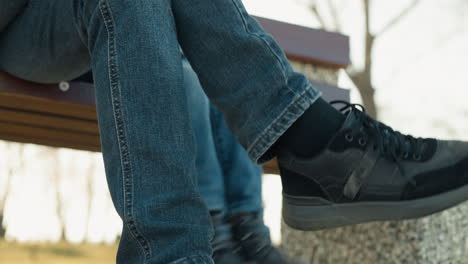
(312, 131)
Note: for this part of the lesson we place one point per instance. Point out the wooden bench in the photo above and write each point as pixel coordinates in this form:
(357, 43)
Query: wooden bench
(64, 115)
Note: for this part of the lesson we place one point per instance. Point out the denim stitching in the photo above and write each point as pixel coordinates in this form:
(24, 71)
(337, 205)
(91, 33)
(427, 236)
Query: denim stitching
(301, 103)
(224, 154)
(189, 259)
(247, 29)
(221, 144)
(215, 120)
(120, 127)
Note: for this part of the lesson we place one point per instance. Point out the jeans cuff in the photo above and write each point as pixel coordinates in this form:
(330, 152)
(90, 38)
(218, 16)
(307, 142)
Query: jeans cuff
(299, 104)
(245, 207)
(213, 204)
(196, 259)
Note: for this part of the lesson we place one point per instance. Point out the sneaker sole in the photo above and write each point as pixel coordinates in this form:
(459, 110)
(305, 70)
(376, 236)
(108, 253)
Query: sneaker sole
(314, 213)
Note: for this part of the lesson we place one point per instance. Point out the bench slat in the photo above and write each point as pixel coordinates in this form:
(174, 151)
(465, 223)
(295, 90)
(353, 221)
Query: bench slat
(77, 102)
(29, 114)
(48, 121)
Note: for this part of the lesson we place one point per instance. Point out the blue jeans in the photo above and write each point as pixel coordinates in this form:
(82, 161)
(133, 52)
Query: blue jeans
(146, 134)
(228, 180)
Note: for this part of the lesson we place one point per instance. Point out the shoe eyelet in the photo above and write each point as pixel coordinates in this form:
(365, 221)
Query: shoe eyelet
(349, 138)
(362, 142)
(417, 157)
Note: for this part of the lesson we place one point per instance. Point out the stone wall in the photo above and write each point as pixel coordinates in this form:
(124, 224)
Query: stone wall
(327, 75)
(438, 239)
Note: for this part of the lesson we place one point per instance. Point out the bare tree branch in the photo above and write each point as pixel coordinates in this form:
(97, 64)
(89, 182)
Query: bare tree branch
(360, 77)
(56, 178)
(9, 176)
(403, 13)
(90, 193)
(15, 152)
(369, 37)
(366, 4)
(313, 7)
(334, 15)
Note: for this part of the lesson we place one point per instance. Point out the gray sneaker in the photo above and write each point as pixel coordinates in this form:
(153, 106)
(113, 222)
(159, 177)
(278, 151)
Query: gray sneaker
(369, 172)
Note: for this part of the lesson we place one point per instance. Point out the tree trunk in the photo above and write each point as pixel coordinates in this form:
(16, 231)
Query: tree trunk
(365, 85)
(363, 82)
(367, 95)
(2, 228)
(90, 194)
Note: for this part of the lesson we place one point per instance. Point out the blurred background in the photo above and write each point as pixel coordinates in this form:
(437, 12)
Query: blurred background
(408, 69)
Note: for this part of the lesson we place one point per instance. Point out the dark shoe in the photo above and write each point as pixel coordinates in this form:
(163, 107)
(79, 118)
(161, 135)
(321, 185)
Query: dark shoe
(369, 172)
(254, 240)
(227, 256)
(225, 248)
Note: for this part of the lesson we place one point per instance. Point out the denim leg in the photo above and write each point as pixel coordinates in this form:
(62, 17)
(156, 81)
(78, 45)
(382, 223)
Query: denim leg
(147, 143)
(41, 43)
(139, 78)
(242, 177)
(243, 71)
(8, 11)
(209, 172)
(227, 179)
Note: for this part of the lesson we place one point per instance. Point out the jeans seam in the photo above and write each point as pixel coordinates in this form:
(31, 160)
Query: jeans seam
(190, 258)
(253, 150)
(221, 146)
(246, 28)
(115, 90)
(216, 119)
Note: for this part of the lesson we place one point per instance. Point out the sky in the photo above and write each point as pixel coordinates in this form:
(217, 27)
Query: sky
(421, 83)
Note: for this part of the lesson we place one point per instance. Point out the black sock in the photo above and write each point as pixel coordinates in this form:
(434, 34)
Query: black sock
(312, 131)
